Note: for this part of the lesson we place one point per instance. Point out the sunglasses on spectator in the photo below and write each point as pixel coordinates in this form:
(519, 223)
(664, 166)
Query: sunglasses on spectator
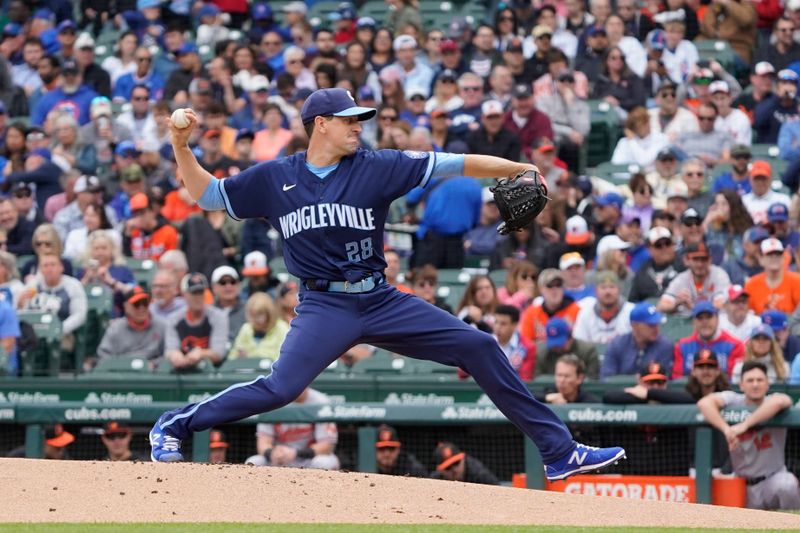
(662, 243)
(694, 174)
(141, 303)
(139, 99)
(692, 223)
(555, 284)
(471, 88)
(43, 243)
(389, 117)
(271, 43)
(506, 19)
(526, 275)
(644, 191)
(294, 61)
(23, 193)
(227, 281)
(667, 94)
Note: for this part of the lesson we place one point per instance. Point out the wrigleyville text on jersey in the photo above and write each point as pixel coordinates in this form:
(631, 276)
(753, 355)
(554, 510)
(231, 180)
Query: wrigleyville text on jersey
(324, 216)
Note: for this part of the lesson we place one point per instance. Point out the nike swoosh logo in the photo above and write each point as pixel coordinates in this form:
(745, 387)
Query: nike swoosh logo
(287, 187)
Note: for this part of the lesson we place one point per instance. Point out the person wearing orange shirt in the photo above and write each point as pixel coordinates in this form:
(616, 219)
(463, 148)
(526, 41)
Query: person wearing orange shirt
(393, 270)
(554, 303)
(147, 234)
(775, 288)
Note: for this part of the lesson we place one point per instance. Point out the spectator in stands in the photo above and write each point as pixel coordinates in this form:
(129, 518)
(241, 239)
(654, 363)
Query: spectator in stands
(607, 213)
(454, 465)
(483, 238)
(94, 219)
(53, 291)
(256, 270)
(738, 178)
(96, 77)
(762, 346)
(612, 256)
(561, 342)
(70, 93)
(669, 118)
(525, 121)
(137, 334)
(414, 73)
(56, 442)
(104, 265)
(167, 300)
(273, 138)
(730, 120)
(570, 372)
(749, 264)
(641, 145)
(709, 145)
(608, 317)
(631, 47)
(298, 445)
(483, 54)
(217, 446)
(116, 438)
(775, 287)
(762, 81)
(762, 196)
(787, 339)
(18, 230)
(202, 334)
(726, 221)
(88, 190)
(288, 301)
(707, 334)
(139, 119)
(521, 355)
(736, 317)
(45, 241)
(766, 489)
(680, 54)
(617, 84)
(778, 225)
(40, 170)
(554, 304)
(782, 50)
(641, 207)
(189, 69)
(520, 288)
(569, 116)
(626, 353)
(263, 333)
(656, 273)
(25, 74)
(391, 459)
(590, 60)
(141, 74)
(573, 269)
(478, 304)
(702, 281)
(777, 109)
(226, 288)
(392, 271)
(491, 138)
(652, 376)
(10, 284)
(147, 234)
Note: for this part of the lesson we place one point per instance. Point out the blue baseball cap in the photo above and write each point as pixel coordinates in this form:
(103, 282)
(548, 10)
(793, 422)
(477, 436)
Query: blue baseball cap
(777, 213)
(126, 148)
(144, 4)
(208, 10)
(756, 234)
(703, 306)
(763, 330)
(45, 14)
(41, 152)
(774, 319)
(261, 12)
(336, 102)
(646, 313)
(49, 39)
(186, 48)
(611, 198)
(365, 92)
(245, 133)
(66, 25)
(787, 75)
(301, 94)
(657, 40)
(558, 332)
(591, 31)
(12, 29)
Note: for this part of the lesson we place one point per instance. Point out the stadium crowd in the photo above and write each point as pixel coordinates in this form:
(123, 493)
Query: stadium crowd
(681, 263)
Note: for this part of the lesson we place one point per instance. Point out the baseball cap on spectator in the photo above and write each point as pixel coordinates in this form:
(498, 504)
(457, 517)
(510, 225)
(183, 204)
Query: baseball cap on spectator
(657, 39)
(200, 86)
(514, 44)
(558, 332)
(446, 455)
(336, 102)
(186, 48)
(548, 276)
(761, 168)
(21, 189)
(84, 41)
(100, 106)
(719, 86)
(55, 435)
(630, 218)
(735, 292)
(286, 288)
(403, 41)
(258, 83)
(540, 30)
(646, 313)
(787, 75)
(126, 149)
(775, 319)
(756, 234)
(741, 150)
(577, 230)
(365, 92)
(570, 259)
(771, 245)
(606, 276)
(664, 154)
(764, 68)
(12, 29)
(411, 92)
(593, 31)
(610, 198)
(544, 146)
(66, 25)
(44, 13)
(703, 306)
(41, 152)
(211, 10)
(653, 371)
(677, 189)
(223, 271)
(438, 112)
(362, 22)
(387, 437)
(522, 90)
(114, 428)
(762, 330)
(346, 11)
(138, 201)
(491, 107)
(87, 184)
(301, 94)
(689, 215)
(706, 357)
(132, 173)
(611, 242)
(245, 133)
(212, 134)
(194, 283)
(697, 250)
(704, 76)
(49, 39)
(145, 4)
(663, 214)
(793, 5)
(777, 213)
(255, 264)
(448, 45)
(260, 12)
(457, 27)
(138, 294)
(216, 440)
(69, 66)
(658, 233)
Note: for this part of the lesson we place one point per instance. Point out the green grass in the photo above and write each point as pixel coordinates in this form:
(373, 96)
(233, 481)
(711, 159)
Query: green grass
(329, 528)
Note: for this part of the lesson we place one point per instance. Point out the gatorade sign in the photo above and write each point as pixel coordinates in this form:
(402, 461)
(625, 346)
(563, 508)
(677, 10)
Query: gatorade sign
(660, 488)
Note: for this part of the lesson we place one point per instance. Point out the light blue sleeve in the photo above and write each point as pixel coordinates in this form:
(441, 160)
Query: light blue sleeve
(212, 199)
(448, 165)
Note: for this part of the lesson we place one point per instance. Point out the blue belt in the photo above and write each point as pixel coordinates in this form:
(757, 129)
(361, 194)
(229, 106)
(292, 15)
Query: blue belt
(357, 287)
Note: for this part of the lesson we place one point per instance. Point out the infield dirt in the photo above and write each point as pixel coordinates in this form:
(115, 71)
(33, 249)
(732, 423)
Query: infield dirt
(73, 491)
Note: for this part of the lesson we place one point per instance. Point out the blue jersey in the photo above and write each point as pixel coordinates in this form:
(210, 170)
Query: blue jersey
(332, 228)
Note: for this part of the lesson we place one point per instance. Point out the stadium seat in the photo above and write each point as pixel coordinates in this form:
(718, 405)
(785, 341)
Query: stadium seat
(677, 327)
(499, 277)
(122, 365)
(321, 10)
(277, 265)
(604, 133)
(203, 367)
(101, 301)
(719, 51)
(375, 9)
(47, 355)
(143, 270)
(381, 362)
(421, 366)
(616, 174)
(246, 365)
(336, 367)
(771, 154)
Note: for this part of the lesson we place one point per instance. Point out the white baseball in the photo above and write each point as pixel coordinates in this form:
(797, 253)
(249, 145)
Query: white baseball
(180, 119)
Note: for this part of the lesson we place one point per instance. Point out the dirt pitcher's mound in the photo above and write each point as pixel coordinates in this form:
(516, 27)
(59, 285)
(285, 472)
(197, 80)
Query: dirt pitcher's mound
(72, 491)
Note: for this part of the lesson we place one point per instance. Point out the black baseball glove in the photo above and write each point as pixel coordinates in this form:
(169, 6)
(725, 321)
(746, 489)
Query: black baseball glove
(519, 199)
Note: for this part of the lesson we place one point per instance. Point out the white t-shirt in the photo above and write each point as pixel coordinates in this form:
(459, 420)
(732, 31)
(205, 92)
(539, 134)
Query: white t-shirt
(590, 327)
(635, 56)
(742, 331)
(683, 121)
(737, 125)
(680, 62)
(757, 205)
(639, 151)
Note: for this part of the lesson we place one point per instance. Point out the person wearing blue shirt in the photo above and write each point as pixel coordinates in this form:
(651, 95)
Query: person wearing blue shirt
(9, 334)
(627, 353)
(144, 75)
(72, 92)
(738, 179)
